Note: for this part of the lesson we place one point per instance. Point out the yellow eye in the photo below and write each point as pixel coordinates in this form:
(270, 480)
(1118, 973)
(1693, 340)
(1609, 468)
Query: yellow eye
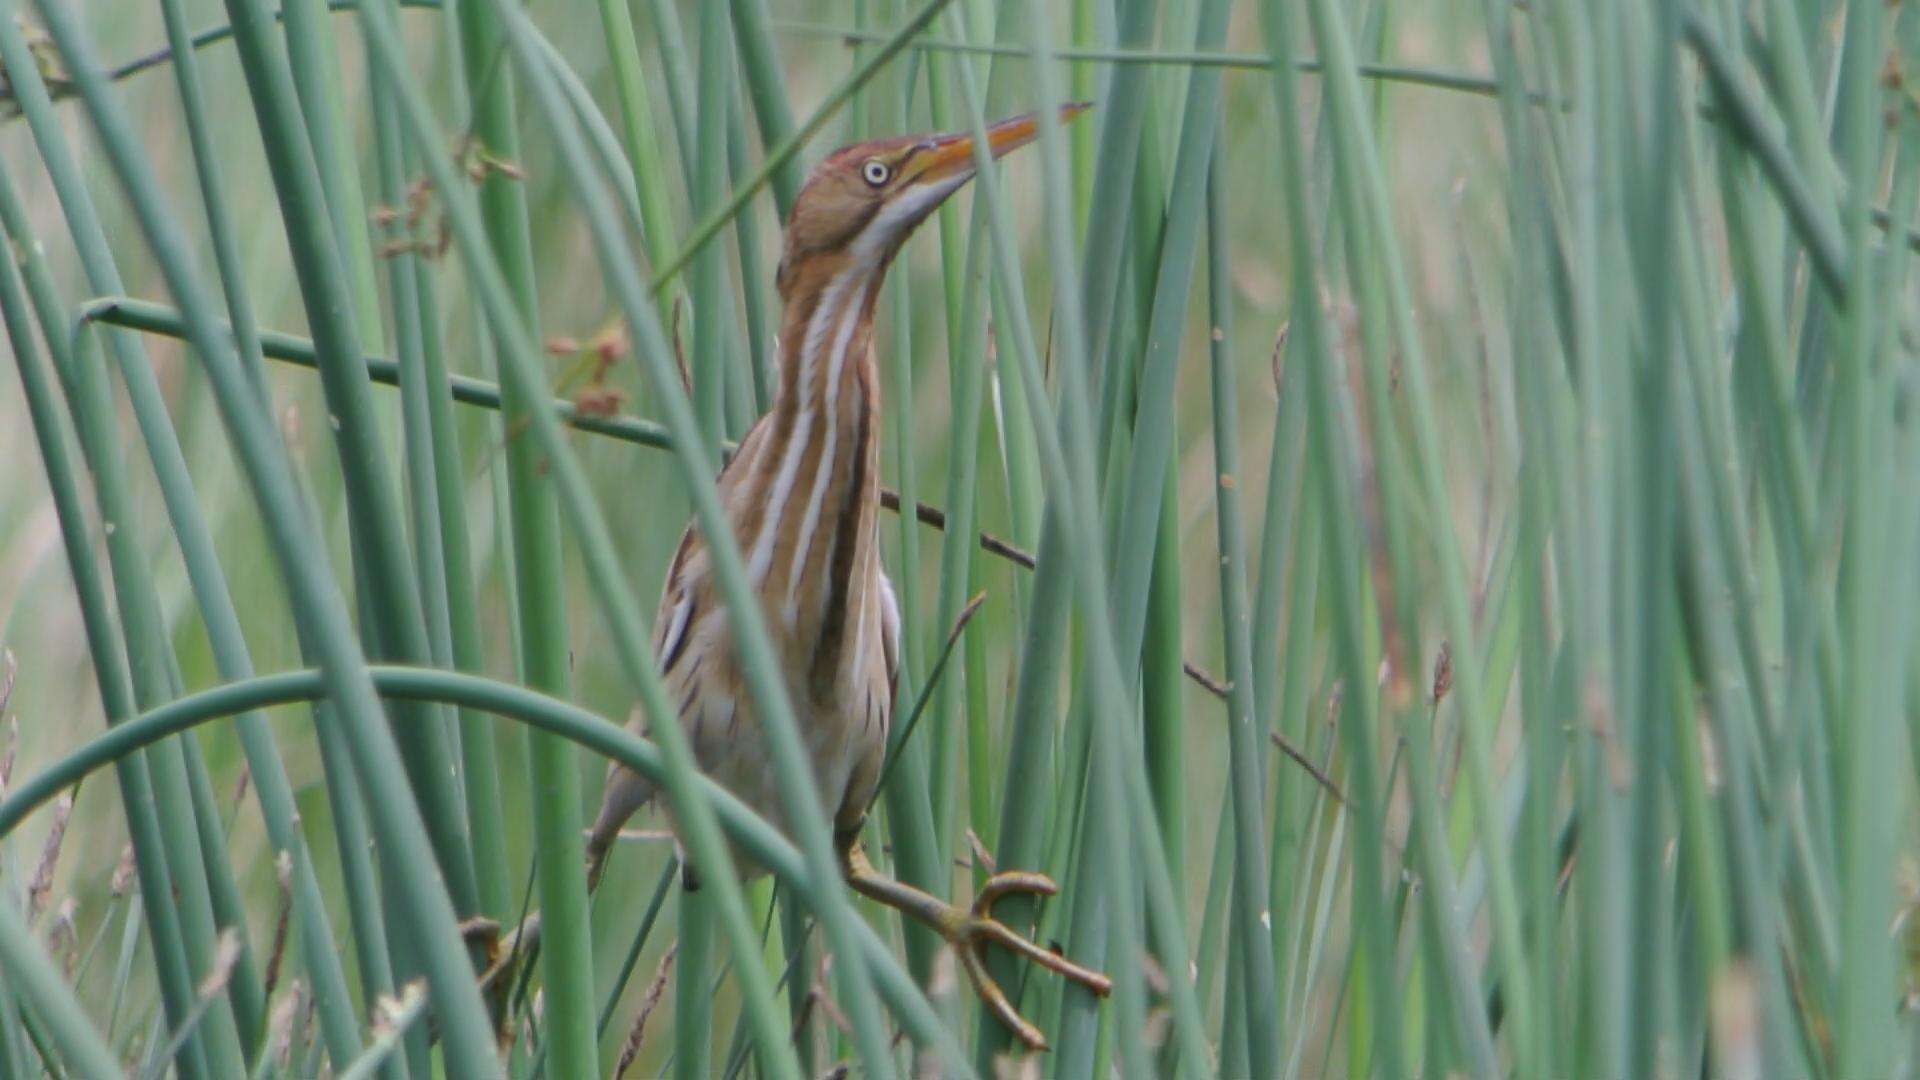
(875, 172)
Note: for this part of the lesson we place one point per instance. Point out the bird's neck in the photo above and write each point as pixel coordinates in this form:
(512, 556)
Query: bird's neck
(825, 336)
(819, 473)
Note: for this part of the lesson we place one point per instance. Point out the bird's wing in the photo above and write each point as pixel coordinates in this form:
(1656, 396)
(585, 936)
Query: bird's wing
(684, 596)
(680, 594)
(890, 632)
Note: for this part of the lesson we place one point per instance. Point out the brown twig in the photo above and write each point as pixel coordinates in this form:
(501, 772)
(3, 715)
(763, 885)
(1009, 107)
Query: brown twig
(1208, 681)
(936, 517)
(1300, 758)
(283, 869)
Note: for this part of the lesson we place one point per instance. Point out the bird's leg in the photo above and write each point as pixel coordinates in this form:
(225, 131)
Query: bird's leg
(502, 955)
(482, 937)
(499, 950)
(481, 934)
(971, 930)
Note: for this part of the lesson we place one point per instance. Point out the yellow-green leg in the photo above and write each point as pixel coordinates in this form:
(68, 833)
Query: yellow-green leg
(971, 930)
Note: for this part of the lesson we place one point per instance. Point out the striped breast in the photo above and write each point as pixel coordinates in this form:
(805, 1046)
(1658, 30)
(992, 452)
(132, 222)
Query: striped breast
(802, 494)
(810, 500)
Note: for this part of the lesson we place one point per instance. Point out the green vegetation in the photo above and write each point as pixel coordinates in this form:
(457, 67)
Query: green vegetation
(1408, 516)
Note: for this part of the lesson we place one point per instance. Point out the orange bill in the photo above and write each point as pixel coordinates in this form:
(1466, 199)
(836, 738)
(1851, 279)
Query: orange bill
(950, 155)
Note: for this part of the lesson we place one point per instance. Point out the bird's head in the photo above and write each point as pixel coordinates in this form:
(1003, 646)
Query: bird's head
(864, 200)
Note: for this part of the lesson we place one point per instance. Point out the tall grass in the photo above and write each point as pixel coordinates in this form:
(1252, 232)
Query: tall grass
(1428, 558)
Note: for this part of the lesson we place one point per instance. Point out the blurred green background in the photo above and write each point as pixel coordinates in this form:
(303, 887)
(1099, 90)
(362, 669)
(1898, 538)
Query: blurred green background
(1594, 313)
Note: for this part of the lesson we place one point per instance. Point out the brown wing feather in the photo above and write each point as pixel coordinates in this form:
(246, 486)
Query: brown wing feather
(676, 624)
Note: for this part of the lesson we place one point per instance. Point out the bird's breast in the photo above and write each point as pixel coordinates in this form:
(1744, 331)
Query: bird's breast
(806, 518)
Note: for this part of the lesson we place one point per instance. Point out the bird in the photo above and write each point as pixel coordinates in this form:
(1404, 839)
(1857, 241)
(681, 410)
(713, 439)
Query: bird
(802, 495)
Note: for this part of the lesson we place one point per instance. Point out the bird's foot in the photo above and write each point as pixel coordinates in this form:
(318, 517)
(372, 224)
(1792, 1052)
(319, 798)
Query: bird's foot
(482, 934)
(498, 952)
(971, 930)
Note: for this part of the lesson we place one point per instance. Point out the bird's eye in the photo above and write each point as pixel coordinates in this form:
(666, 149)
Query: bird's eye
(875, 172)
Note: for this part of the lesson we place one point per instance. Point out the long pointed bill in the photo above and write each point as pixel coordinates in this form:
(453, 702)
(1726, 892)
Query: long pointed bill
(949, 156)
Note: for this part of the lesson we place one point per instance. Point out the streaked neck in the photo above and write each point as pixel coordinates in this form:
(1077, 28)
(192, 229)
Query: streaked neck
(819, 481)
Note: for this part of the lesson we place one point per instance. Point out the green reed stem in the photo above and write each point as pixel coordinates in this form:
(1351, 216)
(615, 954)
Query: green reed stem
(411, 868)
(32, 973)
(196, 850)
(539, 585)
(755, 837)
(104, 646)
(1252, 930)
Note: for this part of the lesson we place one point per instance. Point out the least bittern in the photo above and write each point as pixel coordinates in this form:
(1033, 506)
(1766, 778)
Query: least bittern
(803, 496)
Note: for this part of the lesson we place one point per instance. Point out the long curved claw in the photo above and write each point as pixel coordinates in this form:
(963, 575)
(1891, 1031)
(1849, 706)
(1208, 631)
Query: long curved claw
(995, 1000)
(1007, 883)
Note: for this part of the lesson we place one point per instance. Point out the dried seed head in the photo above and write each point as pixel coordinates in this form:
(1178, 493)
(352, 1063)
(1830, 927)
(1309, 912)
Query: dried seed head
(610, 344)
(630, 1049)
(1442, 674)
(9, 668)
(1016, 1065)
(123, 872)
(226, 953)
(62, 940)
(1278, 358)
(7, 753)
(1735, 1019)
(1159, 1022)
(391, 1010)
(280, 1026)
(41, 885)
(309, 1015)
(46, 57)
(1154, 974)
(599, 400)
